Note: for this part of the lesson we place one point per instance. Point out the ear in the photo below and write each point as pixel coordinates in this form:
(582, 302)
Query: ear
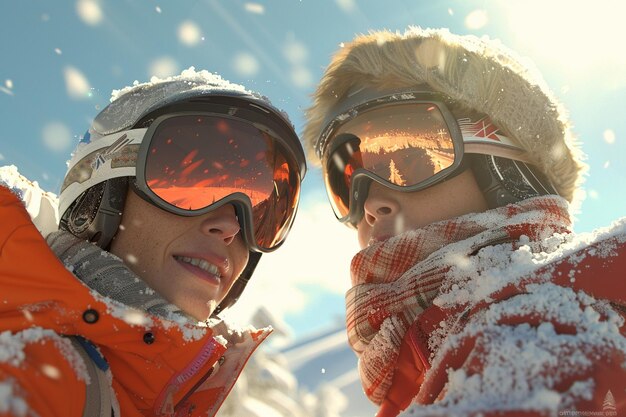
(97, 213)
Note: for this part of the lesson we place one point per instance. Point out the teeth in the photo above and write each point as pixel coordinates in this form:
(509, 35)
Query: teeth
(200, 263)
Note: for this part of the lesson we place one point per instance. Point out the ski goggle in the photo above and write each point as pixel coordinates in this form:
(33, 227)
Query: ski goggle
(190, 163)
(405, 142)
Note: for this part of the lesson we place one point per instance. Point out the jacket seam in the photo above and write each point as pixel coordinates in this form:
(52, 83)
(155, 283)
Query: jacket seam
(4, 242)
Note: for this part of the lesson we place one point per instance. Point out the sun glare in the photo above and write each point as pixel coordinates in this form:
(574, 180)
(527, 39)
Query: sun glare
(583, 37)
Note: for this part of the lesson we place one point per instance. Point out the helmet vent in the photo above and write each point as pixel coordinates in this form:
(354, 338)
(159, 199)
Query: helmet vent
(84, 210)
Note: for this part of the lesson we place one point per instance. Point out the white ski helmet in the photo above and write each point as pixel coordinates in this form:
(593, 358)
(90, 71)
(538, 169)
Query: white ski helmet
(104, 163)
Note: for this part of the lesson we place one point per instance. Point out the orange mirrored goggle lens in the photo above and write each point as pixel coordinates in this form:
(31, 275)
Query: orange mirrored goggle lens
(195, 161)
(404, 145)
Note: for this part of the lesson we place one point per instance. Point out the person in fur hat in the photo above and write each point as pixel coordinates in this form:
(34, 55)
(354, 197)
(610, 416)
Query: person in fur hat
(471, 295)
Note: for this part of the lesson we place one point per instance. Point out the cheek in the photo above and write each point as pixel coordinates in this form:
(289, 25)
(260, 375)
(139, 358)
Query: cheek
(134, 255)
(240, 255)
(139, 247)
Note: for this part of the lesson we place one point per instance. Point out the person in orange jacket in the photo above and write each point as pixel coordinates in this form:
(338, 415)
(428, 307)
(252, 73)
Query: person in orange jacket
(169, 201)
(471, 294)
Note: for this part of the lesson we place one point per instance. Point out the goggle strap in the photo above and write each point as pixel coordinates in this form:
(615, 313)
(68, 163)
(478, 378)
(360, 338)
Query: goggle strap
(489, 147)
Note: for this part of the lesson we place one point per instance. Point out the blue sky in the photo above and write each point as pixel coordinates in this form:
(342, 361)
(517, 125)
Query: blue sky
(59, 62)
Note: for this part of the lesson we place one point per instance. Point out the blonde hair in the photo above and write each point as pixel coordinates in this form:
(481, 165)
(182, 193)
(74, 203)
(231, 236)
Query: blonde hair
(480, 75)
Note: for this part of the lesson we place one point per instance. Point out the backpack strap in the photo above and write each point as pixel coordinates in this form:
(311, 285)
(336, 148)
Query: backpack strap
(98, 395)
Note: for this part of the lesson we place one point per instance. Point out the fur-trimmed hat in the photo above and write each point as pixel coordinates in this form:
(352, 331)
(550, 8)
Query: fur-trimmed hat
(478, 73)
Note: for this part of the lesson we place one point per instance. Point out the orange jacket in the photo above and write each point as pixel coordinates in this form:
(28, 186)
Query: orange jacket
(157, 368)
(599, 272)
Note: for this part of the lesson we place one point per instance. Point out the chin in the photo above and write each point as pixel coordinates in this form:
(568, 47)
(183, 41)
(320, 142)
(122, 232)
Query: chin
(199, 316)
(202, 310)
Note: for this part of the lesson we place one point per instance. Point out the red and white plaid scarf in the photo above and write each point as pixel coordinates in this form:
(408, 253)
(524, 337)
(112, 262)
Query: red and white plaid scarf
(395, 280)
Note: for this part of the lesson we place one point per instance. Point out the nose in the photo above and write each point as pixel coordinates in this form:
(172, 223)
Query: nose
(221, 223)
(379, 205)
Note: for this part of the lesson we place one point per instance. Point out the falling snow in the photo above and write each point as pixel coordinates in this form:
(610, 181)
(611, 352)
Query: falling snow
(609, 136)
(255, 8)
(245, 64)
(348, 6)
(89, 11)
(76, 83)
(476, 19)
(8, 87)
(189, 33)
(56, 136)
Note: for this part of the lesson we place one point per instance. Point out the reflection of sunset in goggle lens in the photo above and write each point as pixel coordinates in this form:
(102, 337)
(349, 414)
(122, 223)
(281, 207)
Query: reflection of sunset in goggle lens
(404, 144)
(195, 161)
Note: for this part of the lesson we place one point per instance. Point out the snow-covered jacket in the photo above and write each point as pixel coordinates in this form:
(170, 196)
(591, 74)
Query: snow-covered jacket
(566, 316)
(154, 367)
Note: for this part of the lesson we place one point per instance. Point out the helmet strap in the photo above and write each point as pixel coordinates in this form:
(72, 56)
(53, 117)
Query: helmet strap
(240, 284)
(505, 181)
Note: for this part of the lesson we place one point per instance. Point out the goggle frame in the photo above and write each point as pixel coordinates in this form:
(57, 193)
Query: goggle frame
(361, 177)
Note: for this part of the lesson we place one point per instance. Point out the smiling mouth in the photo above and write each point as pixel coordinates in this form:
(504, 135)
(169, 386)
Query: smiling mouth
(201, 264)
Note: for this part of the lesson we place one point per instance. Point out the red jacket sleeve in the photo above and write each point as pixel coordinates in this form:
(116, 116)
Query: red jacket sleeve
(39, 370)
(598, 270)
